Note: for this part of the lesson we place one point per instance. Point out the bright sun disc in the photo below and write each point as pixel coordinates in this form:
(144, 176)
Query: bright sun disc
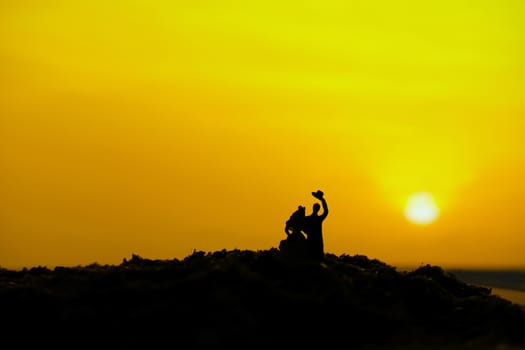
(421, 208)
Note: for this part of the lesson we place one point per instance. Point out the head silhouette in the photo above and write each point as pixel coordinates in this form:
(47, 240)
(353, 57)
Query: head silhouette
(316, 208)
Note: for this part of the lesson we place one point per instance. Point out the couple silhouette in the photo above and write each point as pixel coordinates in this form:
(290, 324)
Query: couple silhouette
(305, 232)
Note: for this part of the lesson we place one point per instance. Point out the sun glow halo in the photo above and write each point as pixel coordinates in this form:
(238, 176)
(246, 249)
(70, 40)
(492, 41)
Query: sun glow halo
(421, 208)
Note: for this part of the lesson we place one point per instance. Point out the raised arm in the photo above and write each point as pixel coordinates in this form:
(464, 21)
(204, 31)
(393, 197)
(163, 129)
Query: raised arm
(325, 207)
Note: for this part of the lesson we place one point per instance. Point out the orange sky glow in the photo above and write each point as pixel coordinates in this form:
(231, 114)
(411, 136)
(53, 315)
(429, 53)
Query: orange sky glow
(158, 127)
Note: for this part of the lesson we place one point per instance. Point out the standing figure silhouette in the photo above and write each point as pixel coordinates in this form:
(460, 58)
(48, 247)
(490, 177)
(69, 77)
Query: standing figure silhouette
(313, 228)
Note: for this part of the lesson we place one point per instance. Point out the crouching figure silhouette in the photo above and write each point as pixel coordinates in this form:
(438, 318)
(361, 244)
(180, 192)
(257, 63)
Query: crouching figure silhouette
(294, 246)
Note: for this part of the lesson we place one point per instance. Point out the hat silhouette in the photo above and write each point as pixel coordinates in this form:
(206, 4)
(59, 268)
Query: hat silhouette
(318, 194)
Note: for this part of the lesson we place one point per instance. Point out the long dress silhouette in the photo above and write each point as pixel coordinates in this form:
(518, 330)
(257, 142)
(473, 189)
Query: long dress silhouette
(313, 228)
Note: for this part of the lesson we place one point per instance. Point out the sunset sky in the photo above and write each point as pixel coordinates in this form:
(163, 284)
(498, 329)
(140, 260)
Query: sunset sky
(157, 127)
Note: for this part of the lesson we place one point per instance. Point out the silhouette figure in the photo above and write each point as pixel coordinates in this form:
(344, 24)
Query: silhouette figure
(294, 224)
(294, 246)
(313, 228)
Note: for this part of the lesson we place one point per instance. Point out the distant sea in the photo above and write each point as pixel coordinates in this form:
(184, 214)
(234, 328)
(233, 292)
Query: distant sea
(516, 296)
(506, 283)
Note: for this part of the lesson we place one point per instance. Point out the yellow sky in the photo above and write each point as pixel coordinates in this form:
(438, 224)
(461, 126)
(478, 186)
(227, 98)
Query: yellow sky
(158, 127)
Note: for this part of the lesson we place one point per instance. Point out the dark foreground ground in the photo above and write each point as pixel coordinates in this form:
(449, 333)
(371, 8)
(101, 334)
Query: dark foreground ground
(252, 300)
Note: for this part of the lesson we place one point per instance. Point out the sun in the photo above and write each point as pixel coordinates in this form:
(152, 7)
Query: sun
(421, 208)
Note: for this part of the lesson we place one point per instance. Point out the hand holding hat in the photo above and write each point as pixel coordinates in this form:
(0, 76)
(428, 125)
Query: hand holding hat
(318, 194)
